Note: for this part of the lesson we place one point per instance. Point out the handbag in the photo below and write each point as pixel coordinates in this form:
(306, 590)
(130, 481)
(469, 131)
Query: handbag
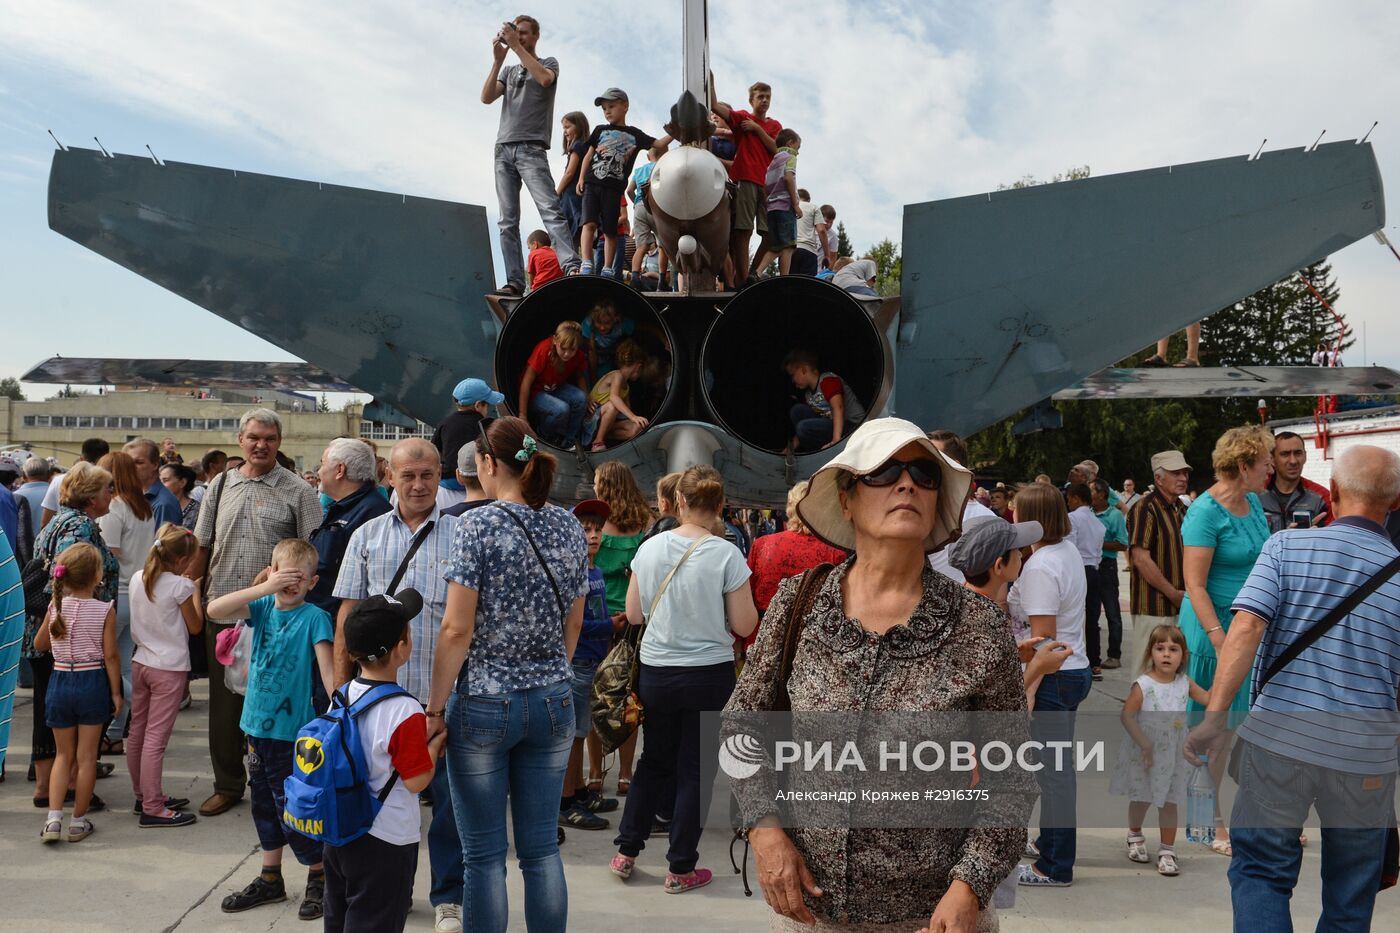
(614, 706)
(798, 610)
(34, 577)
(1390, 860)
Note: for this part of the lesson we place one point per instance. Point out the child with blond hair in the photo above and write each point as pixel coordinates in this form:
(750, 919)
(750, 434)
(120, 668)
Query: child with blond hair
(85, 687)
(613, 420)
(164, 614)
(553, 395)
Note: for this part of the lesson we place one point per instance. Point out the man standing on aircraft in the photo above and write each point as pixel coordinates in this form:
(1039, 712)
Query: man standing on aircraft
(526, 91)
(1289, 495)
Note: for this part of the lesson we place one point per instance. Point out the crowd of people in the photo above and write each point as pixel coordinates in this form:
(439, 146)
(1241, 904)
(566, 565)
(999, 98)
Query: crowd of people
(587, 229)
(490, 618)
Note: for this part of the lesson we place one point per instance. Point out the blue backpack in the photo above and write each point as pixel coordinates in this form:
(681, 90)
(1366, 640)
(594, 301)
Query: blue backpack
(328, 793)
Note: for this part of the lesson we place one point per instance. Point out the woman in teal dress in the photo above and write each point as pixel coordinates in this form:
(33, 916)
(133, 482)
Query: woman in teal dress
(1224, 531)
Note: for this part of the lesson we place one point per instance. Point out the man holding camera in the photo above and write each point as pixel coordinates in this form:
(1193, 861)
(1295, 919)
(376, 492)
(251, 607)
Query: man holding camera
(526, 91)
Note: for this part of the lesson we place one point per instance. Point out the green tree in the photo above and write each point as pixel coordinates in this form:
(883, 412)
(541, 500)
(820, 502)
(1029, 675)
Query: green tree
(843, 242)
(1073, 173)
(9, 388)
(889, 266)
(324, 405)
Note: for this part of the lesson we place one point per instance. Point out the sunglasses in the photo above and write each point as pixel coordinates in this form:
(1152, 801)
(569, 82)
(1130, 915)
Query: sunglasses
(483, 445)
(925, 473)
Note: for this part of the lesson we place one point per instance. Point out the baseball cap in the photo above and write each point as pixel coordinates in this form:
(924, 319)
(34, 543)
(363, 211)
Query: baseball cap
(11, 463)
(593, 507)
(612, 93)
(377, 624)
(1169, 460)
(984, 540)
(466, 459)
(471, 391)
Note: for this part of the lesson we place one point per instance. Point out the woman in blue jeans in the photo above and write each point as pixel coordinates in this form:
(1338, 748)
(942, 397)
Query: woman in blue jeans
(691, 588)
(1049, 596)
(501, 677)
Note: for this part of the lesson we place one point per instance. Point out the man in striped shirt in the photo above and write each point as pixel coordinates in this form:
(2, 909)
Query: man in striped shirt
(372, 557)
(1155, 574)
(1323, 732)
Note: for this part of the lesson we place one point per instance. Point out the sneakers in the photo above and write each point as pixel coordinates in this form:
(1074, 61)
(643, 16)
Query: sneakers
(660, 827)
(169, 819)
(171, 803)
(622, 866)
(597, 803)
(1112, 664)
(679, 884)
(585, 268)
(79, 829)
(260, 892)
(1166, 864)
(1030, 851)
(1031, 878)
(447, 918)
(1137, 849)
(578, 817)
(52, 831)
(310, 908)
(1096, 673)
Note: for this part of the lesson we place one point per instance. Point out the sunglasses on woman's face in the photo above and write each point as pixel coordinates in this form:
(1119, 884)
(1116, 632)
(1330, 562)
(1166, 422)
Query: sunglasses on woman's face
(924, 473)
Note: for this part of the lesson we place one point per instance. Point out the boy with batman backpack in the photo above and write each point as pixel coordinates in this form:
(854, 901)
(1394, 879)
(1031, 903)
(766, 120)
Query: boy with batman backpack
(359, 769)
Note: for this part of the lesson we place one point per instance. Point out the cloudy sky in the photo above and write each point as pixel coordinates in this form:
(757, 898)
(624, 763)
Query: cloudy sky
(896, 102)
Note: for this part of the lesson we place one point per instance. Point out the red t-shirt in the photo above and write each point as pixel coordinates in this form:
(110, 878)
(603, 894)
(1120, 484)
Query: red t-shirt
(547, 375)
(751, 160)
(774, 558)
(543, 266)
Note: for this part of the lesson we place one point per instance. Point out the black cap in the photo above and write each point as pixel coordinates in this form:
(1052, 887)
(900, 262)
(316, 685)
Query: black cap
(377, 624)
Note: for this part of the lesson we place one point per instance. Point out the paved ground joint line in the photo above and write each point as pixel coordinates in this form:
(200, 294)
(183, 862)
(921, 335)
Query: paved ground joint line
(212, 888)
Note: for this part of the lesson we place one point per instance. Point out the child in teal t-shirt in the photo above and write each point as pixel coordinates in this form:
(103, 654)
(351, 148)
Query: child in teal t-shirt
(290, 637)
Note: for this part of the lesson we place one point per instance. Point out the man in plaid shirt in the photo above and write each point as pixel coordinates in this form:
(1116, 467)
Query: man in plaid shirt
(244, 514)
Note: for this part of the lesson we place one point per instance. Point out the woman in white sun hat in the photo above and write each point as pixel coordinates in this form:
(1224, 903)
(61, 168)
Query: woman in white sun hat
(884, 632)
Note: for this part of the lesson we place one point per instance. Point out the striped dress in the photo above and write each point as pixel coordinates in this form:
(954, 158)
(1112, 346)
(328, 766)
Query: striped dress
(11, 635)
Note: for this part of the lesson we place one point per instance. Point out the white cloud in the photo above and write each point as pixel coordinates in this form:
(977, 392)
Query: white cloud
(896, 103)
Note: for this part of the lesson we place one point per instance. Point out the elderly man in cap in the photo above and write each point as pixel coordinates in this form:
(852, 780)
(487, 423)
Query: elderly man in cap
(474, 399)
(1155, 555)
(407, 548)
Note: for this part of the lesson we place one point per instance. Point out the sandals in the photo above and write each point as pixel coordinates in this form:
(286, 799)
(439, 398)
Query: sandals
(1166, 864)
(52, 831)
(111, 747)
(1222, 847)
(594, 785)
(1137, 848)
(623, 786)
(1154, 361)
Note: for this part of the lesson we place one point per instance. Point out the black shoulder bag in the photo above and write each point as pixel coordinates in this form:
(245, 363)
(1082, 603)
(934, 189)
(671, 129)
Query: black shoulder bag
(1390, 864)
(418, 539)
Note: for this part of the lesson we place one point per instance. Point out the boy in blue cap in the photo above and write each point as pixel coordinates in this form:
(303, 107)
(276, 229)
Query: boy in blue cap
(474, 399)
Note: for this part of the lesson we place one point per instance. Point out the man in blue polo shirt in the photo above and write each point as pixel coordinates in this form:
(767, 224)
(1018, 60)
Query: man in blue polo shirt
(1322, 733)
(146, 455)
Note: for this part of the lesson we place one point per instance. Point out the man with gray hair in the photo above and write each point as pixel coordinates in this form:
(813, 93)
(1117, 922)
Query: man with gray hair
(1322, 726)
(378, 550)
(1156, 569)
(243, 516)
(146, 455)
(348, 477)
(36, 474)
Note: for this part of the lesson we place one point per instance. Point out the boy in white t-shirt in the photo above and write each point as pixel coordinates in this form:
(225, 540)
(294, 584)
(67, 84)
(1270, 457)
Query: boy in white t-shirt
(369, 882)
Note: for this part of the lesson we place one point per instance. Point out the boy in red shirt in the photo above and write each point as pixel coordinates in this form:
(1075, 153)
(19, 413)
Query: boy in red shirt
(755, 135)
(553, 394)
(544, 263)
(369, 882)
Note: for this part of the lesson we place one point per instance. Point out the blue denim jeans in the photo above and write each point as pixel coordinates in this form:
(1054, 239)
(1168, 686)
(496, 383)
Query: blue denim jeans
(126, 648)
(619, 255)
(812, 430)
(1059, 696)
(1270, 809)
(269, 766)
(513, 745)
(558, 414)
(444, 844)
(522, 162)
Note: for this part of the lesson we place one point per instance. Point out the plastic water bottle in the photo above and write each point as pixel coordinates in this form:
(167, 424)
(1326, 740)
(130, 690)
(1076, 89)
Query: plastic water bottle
(1200, 806)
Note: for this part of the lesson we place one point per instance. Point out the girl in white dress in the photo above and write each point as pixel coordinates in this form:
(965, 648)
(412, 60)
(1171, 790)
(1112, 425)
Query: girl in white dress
(1151, 769)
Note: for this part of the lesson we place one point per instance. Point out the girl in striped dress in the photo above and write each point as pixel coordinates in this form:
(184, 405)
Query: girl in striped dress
(85, 688)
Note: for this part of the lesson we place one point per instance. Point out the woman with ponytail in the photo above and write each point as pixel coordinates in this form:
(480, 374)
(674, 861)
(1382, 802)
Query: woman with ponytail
(129, 528)
(691, 589)
(502, 675)
(164, 613)
(80, 630)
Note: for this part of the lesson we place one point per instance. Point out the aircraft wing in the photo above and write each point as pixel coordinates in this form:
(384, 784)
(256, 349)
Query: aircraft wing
(186, 374)
(1233, 382)
(1011, 296)
(382, 290)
